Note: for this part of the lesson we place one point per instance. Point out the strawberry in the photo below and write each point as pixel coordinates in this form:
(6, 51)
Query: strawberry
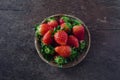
(63, 51)
(64, 19)
(61, 21)
(53, 23)
(73, 41)
(47, 38)
(79, 32)
(61, 37)
(65, 26)
(44, 28)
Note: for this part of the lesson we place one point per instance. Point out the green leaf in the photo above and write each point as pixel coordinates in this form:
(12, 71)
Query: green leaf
(48, 57)
(66, 19)
(56, 29)
(49, 19)
(36, 27)
(74, 54)
(69, 25)
(76, 22)
(37, 34)
(60, 60)
(48, 49)
(42, 47)
(82, 45)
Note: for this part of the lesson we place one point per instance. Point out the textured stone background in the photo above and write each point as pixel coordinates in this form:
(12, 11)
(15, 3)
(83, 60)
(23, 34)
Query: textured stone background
(19, 59)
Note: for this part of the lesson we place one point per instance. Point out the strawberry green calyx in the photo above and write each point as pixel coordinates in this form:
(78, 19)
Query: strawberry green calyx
(37, 32)
(76, 22)
(50, 19)
(60, 60)
(69, 25)
(82, 45)
(56, 29)
(36, 27)
(65, 18)
(74, 54)
(47, 52)
(47, 49)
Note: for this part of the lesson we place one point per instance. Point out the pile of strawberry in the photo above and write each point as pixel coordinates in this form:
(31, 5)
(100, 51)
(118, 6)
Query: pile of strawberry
(61, 39)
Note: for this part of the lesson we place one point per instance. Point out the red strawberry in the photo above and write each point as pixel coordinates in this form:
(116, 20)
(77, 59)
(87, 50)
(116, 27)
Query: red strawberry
(61, 37)
(65, 27)
(79, 32)
(73, 41)
(64, 19)
(61, 21)
(63, 51)
(44, 28)
(47, 38)
(53, 23)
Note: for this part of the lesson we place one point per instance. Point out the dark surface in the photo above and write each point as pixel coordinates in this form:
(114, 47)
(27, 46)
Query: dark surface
(19, 59)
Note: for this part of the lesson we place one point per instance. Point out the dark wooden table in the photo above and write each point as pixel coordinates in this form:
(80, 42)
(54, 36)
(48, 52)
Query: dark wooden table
(19, 59)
